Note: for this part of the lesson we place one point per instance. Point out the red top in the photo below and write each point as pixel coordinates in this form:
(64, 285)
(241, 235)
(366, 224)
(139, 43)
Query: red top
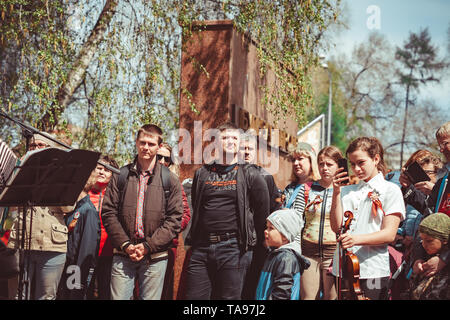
(106, 248)
(186, 215)
(445, 204)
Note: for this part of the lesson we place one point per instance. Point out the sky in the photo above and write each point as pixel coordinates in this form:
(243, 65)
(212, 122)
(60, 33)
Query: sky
(397, 18)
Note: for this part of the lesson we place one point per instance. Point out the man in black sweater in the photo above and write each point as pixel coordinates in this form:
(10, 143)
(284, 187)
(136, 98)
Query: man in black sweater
(230, 205)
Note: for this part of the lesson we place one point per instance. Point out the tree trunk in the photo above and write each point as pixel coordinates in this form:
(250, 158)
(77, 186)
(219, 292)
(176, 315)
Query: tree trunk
(75, 77)
(404, 124)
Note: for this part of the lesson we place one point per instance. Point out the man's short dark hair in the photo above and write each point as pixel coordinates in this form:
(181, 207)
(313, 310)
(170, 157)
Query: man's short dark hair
(151, 130)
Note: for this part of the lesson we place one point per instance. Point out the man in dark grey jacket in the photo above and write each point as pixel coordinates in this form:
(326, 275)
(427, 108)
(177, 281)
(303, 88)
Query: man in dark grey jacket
(141, 221)
(248, 154)
(230, 203)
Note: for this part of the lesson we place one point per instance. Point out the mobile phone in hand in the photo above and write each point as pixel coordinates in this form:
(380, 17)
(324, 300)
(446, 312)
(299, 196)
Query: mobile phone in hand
(415, 173)
(342, 163)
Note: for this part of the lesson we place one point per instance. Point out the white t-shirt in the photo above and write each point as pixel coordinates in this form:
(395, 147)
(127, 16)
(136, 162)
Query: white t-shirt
(373, 260)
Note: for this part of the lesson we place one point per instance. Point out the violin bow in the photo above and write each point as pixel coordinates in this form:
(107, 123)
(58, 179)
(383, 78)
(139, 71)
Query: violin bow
(340, 273)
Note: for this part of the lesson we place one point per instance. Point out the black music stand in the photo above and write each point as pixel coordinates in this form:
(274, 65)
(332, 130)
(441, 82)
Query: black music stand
(46, 177)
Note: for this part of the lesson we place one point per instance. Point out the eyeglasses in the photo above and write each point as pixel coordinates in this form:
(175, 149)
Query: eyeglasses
(430, 172)
(167, 159)
(444, 144)
(38, 146)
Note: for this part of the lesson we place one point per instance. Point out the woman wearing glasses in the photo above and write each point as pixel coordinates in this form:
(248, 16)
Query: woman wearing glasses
(164, 156)
(408, 232)
(431, 164)
(438, 200)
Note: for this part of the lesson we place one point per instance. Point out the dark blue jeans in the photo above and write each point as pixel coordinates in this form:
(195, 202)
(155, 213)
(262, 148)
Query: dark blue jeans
(216, 271)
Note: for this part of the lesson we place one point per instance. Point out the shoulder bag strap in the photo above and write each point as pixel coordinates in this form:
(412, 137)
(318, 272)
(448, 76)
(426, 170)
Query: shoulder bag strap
(122, 182)
(442, 188)
(293, 196)
(165, 179)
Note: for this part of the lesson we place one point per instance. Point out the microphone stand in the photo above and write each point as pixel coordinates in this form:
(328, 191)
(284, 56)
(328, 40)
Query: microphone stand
(28, 132)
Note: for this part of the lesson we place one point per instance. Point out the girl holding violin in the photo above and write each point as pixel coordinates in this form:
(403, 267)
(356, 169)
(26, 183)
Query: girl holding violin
(376, 207)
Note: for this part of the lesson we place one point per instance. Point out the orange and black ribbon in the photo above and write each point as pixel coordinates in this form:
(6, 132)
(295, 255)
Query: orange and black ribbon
(376, 204)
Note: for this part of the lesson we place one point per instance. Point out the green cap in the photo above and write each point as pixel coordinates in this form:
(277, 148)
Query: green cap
(436, 225)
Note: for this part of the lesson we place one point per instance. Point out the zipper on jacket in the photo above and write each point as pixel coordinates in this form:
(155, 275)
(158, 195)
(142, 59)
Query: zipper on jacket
(322, 222)
(441, 195)
(196, 206)
(244, 227)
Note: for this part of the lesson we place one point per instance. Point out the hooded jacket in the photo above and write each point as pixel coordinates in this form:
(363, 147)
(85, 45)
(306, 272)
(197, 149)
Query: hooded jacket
(280, 276)
(82, 248)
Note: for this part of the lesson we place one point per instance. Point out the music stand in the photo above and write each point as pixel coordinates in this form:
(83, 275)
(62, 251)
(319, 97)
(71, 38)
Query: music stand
(46, 177)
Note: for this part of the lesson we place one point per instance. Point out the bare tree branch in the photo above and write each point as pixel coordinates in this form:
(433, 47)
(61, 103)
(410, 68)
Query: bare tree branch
(76, 75)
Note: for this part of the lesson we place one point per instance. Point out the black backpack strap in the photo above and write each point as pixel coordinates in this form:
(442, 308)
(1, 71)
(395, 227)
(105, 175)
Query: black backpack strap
(165, 178)
(122, 184)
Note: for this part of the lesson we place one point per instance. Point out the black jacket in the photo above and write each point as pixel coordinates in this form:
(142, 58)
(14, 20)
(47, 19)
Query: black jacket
(162, 221)
(274, 192)
(280, 276)
(253, 205)
(428, 205)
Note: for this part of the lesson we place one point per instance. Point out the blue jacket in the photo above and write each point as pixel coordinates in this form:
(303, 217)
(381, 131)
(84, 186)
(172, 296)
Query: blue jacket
(280, 276)
(422, 202)
(83, 243)
(410, 225)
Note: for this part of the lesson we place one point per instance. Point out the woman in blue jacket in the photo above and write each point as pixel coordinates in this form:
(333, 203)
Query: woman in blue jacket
(84, 228)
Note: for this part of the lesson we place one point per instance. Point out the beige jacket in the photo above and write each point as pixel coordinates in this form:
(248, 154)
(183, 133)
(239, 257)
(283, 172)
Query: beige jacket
(48, 230)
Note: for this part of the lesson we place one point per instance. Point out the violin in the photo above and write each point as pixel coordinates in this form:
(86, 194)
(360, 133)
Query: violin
(349, 268)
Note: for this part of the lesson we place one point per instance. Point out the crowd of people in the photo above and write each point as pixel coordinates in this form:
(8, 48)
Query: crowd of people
(371, 233)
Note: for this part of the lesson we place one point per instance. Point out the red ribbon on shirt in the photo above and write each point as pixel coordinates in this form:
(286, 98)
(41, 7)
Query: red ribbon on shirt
(316, 200)
(376, 204)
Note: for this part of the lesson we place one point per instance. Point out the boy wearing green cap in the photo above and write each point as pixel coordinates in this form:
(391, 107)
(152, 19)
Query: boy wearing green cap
(434, 231)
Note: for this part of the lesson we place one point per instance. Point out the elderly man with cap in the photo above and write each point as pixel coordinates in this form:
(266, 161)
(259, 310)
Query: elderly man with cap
(48, 246)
